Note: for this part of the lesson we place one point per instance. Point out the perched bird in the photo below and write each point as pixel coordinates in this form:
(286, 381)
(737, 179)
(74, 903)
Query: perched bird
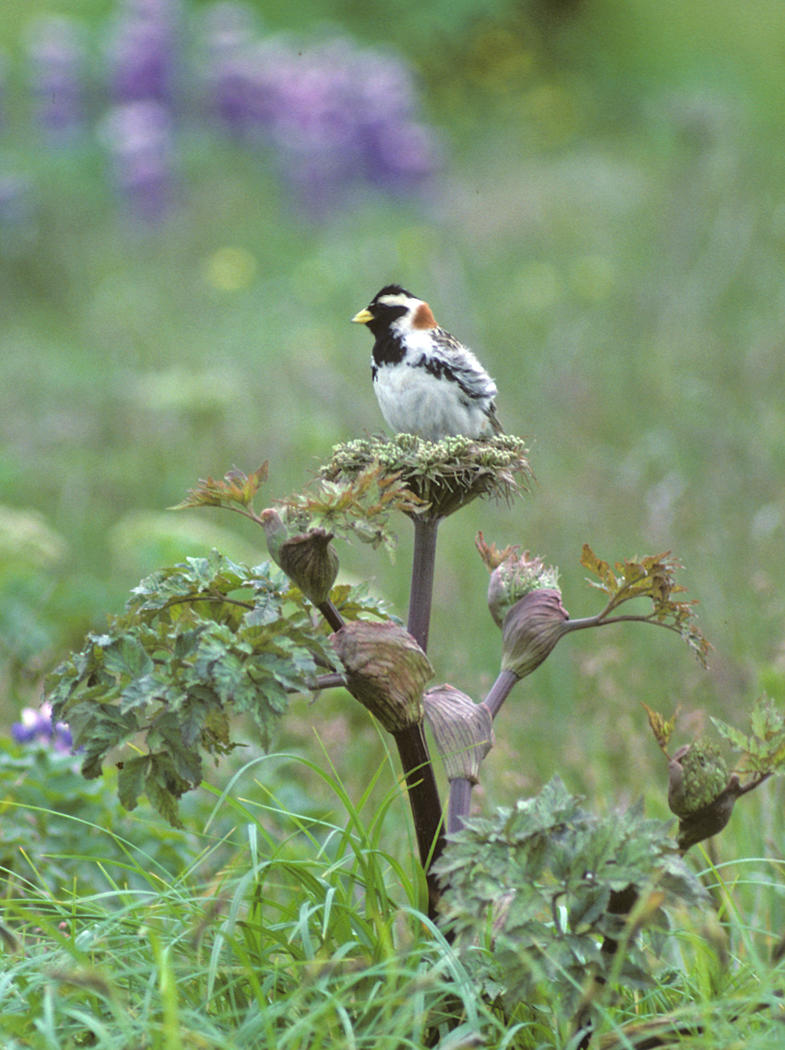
(426, 382)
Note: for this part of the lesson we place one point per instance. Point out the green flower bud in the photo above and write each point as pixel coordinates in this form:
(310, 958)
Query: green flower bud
(386, 670)
(531, 629)
(308, 559)
(462, 730)
(697, 776)
(275, 532)
(514, 574)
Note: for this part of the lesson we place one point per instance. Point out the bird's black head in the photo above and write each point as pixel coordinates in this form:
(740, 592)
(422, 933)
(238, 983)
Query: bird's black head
(392, 289)
(389, 303)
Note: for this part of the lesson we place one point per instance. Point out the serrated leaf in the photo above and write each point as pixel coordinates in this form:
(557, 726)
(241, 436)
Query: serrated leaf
(589, 905)
(235, 490)
(660, 726)
(543, 873)
(130, 780)
(266, 609)
(599, 568)
(767, 721)
(651, 577)
(360, 506)
(162, 800)
(734, 736)
(125, 657)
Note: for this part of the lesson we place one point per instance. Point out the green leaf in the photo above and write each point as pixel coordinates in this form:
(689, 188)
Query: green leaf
(196, 641)
(543, 874)
(763, 748)
(651, 577)
(734, 736)
(766, 721)
(163, 799)
(235, 491)
(125, 657)
(589, 905)
(130, 780)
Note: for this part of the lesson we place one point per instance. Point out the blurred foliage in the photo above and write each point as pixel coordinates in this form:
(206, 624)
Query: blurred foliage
(54, 819)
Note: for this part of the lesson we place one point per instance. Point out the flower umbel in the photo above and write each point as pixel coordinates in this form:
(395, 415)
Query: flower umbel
(446, 474)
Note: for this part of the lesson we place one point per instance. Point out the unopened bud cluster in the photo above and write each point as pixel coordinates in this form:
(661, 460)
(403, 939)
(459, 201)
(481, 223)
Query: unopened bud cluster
(462, 730)
(697, 776)
(308, 558)
(386, 670)
(515, 576)
(531, 629)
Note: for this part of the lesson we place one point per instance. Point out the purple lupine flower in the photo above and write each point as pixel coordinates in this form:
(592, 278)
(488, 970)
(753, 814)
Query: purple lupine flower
(403, 156)
(311, 125)
(398, 151)
(335, 115)
(138, 136)
(142, 51)
(230, 31)
(56, 58)
(37, 727)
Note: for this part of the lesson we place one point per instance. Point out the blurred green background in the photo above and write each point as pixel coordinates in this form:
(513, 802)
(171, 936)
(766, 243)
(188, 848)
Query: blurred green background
(603, 220)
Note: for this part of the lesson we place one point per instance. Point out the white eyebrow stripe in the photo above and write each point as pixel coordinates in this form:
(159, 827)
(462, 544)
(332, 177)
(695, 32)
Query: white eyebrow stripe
(397, 300)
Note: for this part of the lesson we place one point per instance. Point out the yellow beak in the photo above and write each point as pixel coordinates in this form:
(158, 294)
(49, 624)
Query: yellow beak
(363, 317)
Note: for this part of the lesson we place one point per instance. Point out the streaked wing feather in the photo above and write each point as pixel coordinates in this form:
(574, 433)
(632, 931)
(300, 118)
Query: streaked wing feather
(460, 364)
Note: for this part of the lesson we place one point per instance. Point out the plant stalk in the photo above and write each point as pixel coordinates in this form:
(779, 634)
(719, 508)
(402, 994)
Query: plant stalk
(459, 803)
(499, 691)
(425, 804)
(460, 799)
(331, 614)
(421, 593)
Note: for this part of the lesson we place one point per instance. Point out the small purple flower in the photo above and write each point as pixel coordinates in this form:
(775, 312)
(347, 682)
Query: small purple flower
(56, 58)
(142, 51)
(138, 136)
(335, 115)
(37, 727)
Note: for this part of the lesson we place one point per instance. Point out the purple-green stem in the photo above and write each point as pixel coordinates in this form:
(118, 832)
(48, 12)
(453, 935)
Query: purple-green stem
(425, 804)
(460, 800)
(331, 614)
(418, 772)
(421, 593)
(499, 691)
(459, 803)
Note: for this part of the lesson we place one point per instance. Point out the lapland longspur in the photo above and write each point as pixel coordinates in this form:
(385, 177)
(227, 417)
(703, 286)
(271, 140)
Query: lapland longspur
(426, 381)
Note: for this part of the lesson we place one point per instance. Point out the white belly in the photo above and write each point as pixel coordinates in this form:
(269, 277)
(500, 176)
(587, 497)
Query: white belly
(415, 402)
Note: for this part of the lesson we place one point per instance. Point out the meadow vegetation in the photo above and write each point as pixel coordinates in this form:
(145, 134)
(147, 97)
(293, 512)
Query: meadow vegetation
(597, 208)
